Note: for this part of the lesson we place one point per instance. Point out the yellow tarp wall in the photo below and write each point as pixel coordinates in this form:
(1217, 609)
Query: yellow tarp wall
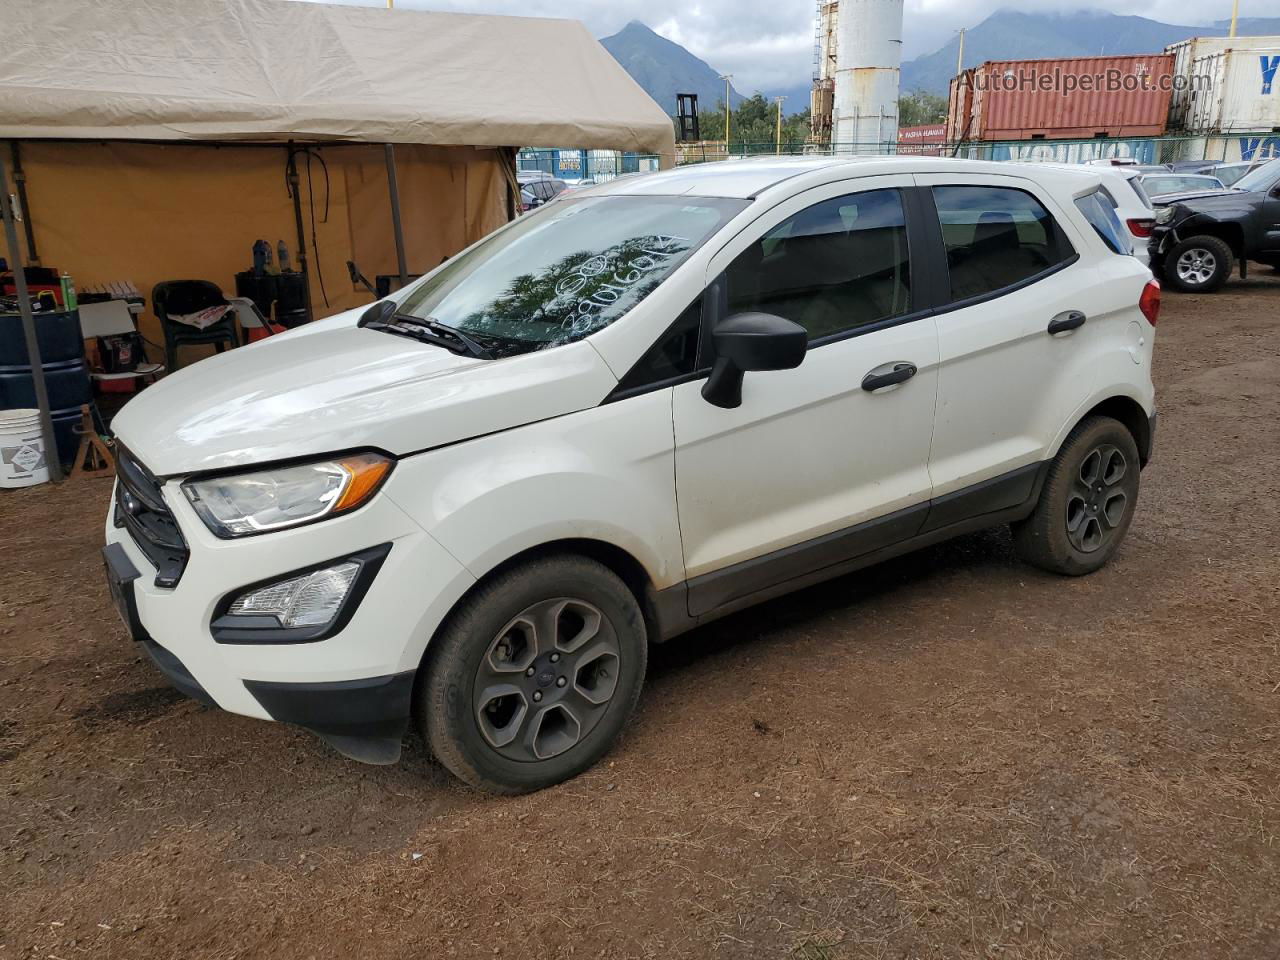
(147, 212)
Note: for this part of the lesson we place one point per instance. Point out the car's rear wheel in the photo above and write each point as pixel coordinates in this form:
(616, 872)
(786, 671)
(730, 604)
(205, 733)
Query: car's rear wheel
(534, 676)
(1198, 264)
(1086, 503)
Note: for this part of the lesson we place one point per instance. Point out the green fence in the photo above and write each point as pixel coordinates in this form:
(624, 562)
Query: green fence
(1147, 150)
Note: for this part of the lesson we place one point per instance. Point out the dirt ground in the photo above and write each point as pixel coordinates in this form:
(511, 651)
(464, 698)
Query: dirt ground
(948, 756)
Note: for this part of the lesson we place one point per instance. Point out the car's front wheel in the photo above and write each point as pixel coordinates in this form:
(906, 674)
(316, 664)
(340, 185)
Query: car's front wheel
(1086, 503)
(533, 677)
(1198, 264)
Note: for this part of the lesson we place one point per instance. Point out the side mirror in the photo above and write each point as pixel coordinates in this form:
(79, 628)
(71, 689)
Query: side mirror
(751, 341)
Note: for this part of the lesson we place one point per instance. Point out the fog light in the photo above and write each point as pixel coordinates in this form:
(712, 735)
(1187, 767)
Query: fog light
(310, 600)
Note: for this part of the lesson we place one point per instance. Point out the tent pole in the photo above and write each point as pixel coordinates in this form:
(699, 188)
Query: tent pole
(51, 457)
(291, 175)
(396, 225)
(20, 181)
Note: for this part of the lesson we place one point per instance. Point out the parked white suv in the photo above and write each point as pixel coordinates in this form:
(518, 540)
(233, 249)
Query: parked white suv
(651, 403)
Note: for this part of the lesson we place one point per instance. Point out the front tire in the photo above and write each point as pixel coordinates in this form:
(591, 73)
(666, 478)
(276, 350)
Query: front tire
(533, 677)
(1198, 264)
(1087, 501)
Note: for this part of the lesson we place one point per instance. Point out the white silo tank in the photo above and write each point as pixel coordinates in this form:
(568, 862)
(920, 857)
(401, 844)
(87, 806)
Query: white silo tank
(868, 63)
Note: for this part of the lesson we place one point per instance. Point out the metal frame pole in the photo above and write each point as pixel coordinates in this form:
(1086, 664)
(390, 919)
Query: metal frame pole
(396, 225)
(51, 456)
(291, 177)
(20, 182)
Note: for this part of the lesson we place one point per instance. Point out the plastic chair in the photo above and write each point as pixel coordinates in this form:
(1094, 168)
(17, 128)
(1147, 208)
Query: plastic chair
(181, 297)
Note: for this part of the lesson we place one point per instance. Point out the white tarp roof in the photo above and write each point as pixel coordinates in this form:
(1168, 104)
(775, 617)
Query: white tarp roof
(273, 70)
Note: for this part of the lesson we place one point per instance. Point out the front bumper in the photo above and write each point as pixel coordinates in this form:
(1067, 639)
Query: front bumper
(354, 687)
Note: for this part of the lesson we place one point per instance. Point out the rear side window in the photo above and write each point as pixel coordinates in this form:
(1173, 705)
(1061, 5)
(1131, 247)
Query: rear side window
(1136, 184)
(1099, 209)
(996, 237)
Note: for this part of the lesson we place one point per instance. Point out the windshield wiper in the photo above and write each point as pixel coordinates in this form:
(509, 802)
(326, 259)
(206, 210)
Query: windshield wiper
(436, 332)
(383, 316)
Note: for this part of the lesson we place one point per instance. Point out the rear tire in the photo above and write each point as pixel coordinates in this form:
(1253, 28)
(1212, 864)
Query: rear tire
(1198, 264)
(1086, 503)
(532, 678)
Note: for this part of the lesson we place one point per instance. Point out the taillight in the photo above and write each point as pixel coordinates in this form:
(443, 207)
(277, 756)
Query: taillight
(1149, 302)
(1141, 228)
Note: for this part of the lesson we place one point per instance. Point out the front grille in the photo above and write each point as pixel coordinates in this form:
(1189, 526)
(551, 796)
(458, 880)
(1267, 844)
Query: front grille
(141, 510)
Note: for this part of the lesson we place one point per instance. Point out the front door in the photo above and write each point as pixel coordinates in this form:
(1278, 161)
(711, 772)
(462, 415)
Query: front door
(790, 481)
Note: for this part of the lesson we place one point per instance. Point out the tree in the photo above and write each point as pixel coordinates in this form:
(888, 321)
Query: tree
(918, 108)
(754, 126)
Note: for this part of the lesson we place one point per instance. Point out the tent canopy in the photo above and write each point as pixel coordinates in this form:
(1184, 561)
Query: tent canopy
(275, 70)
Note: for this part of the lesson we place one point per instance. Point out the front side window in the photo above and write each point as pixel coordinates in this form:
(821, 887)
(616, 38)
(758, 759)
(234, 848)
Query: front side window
(571, 269)
(996, 237)
(833, 267)
(1100, 210)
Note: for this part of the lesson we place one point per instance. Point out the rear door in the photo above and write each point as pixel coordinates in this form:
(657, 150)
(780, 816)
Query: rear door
(1006, 384)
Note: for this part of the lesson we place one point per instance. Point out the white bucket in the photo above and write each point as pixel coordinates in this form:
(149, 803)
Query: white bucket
(22, 462)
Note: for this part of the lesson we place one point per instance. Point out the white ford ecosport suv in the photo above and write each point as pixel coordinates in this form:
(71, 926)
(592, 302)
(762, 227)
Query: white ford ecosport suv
(473, 505)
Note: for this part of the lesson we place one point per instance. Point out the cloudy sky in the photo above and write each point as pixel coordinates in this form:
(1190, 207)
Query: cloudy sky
(768, 44)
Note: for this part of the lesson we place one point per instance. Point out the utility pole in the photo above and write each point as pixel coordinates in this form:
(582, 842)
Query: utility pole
(777, 143)
(960, 55)
(726, 78)
(1235, 15)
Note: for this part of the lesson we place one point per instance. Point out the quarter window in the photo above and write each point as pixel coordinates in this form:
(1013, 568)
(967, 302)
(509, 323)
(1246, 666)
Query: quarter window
(996, 237)
(833, 267)
(674, 355)
(1100, 210)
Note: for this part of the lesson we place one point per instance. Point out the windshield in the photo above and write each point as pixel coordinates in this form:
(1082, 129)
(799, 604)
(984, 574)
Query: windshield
(563, 273)
(1261, 177)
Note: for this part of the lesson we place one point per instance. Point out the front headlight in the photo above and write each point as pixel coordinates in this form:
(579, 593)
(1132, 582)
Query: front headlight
(247, 503)
(1164, 214)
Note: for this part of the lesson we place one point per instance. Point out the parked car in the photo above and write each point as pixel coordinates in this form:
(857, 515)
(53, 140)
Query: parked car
(1229, 173)
(1161, 186)
(476, 503)
(1199, 238)
(537, 190)
(1123, 185)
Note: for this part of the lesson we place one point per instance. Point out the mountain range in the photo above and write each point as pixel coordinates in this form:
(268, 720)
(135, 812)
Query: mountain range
(664, 68)
(1012, 35)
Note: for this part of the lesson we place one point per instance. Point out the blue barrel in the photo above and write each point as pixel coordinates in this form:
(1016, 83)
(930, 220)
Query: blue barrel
(66, 376)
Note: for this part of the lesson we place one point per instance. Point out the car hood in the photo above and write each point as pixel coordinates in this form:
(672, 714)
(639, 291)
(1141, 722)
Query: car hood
(1217, 203)
(332, 386)
(1168, 199)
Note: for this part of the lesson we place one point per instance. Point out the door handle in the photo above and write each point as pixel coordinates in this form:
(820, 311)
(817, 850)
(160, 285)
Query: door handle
(900, 373)
(1066, 321)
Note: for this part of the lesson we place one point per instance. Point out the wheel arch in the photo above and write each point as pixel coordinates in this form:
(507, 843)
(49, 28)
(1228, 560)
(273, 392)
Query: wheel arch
(1228, 231)
(625, 565)
(1128, 411)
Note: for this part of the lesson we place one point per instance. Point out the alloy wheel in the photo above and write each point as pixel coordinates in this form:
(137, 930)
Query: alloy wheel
(546, 679)
(1098, 500)
(1196, 266)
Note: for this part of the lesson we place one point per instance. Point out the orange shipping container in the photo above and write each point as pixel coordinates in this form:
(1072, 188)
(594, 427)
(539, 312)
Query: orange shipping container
(1071, 98)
